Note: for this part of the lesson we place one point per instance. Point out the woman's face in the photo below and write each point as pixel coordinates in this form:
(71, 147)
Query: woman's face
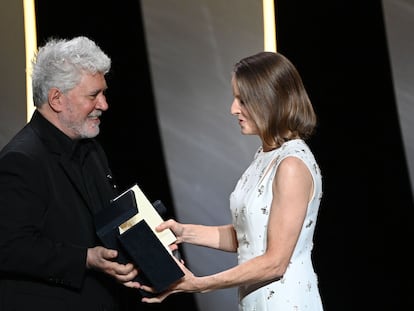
(238, 109)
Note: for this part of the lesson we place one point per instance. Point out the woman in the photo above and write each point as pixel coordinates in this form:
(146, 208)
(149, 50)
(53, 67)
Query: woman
(275, 202)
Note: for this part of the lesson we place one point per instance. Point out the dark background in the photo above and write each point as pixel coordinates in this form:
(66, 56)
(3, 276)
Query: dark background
(365, 218)
(364, 232)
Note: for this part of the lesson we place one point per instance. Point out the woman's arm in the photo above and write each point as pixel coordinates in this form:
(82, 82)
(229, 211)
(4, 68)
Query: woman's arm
(292, 190)
(217, 237)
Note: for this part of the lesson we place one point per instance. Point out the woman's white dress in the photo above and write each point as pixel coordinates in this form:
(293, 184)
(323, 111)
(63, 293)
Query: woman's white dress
(250, 204)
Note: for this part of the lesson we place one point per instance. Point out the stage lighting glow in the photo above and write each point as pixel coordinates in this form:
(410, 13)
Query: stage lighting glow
(269, 25)
(30, 46)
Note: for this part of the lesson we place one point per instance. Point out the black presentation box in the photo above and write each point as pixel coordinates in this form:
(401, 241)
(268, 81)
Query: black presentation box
(138, 243)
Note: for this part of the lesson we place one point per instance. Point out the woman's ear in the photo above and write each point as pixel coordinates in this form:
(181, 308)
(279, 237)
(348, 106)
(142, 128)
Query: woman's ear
(54, 97)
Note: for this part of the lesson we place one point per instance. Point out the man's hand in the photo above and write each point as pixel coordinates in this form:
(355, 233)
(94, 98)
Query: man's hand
(102, 259)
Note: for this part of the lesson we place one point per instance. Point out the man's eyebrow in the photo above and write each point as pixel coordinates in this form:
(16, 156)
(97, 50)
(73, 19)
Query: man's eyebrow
(97, 91)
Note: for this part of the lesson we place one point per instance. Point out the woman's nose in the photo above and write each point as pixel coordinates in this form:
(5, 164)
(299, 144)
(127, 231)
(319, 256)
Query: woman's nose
(235, 107)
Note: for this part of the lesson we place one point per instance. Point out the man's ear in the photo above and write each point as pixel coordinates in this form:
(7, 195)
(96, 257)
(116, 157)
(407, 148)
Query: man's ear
(54, 99)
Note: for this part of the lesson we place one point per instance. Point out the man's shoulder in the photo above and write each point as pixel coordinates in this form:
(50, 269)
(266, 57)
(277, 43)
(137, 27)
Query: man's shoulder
(23, 141)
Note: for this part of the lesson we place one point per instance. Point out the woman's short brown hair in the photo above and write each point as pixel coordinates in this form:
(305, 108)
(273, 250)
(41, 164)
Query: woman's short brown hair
(275, 97)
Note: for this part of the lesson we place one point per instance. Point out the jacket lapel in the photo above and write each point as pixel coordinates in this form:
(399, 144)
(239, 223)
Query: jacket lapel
(76, 178)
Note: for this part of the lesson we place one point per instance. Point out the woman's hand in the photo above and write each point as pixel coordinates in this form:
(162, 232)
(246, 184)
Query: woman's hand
(176, 227)
(186, 284)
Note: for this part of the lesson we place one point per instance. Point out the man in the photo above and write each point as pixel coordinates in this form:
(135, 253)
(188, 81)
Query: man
(53, 178)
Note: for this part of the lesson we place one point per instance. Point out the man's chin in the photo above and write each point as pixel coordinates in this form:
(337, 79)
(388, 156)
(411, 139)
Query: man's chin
(91, 132)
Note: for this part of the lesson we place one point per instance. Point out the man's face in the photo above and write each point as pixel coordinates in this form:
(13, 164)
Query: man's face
(82, 107)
